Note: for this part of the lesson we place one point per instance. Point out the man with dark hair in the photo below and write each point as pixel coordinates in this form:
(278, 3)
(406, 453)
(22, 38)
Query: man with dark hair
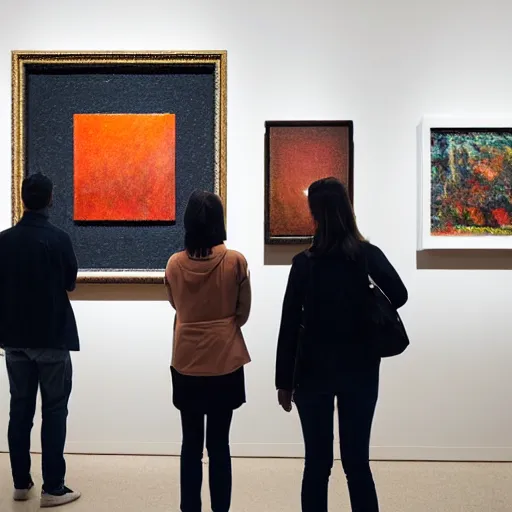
(38, 329)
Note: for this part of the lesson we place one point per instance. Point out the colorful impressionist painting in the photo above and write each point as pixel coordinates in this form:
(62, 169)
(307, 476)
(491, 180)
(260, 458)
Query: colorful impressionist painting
(471, 182)
(124, 167)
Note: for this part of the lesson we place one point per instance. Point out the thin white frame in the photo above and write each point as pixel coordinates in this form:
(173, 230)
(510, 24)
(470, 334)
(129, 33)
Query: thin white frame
(427, 241)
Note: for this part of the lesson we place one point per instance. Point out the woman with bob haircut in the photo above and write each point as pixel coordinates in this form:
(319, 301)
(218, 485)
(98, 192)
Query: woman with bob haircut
(208, 286)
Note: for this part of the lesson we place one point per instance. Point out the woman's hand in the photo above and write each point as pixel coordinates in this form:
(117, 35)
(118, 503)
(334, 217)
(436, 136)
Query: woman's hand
(285, 399)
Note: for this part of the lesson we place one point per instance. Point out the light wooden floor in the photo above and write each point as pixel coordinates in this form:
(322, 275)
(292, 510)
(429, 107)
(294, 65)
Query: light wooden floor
(139, 484)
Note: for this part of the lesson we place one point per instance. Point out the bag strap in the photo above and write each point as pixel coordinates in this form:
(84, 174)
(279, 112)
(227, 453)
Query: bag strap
(372, 282)
(309, 273)
(367, 270)
(306, 286)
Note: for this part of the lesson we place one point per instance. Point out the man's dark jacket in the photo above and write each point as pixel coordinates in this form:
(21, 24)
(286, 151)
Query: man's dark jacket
(37, 268)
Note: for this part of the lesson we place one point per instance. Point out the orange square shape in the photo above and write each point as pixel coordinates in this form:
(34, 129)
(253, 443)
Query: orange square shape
(124, 167)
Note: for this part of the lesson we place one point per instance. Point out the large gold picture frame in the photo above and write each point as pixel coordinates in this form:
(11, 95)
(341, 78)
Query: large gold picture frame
(22, 60)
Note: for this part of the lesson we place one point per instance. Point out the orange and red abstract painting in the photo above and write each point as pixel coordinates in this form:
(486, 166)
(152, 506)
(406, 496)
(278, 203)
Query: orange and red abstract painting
(297, 155)
(124, 167)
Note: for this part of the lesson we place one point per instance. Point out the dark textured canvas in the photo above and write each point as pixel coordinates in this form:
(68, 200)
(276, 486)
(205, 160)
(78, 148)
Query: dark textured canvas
(53, 98)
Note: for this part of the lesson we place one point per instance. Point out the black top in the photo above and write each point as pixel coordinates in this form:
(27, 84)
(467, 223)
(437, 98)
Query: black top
(37, 268)
(333, 291)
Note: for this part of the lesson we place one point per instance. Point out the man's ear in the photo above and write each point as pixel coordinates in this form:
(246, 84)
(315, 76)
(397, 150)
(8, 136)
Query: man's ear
(50, 204)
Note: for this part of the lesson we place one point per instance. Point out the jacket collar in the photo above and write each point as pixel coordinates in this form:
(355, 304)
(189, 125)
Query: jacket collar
(217, 251)
(35, 217)
(202, 265)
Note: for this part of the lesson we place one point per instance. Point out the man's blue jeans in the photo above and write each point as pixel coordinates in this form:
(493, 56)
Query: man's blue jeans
(51, 370)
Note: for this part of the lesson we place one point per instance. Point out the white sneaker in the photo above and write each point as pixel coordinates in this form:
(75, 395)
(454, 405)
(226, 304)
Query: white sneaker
(62, 497)
(23, 494)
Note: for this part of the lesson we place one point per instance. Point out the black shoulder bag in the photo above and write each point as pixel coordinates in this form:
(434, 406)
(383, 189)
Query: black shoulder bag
(387, 333)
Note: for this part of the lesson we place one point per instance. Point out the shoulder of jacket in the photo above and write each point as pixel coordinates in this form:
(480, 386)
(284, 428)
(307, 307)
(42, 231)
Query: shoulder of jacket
(6, 232)
(63, 235)
(236, 257)
(368, 247)
(52, 228)
(175, 258)
(301, 258)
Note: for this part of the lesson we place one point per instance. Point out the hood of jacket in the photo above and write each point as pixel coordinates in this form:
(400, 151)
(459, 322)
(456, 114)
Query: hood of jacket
(196, 270)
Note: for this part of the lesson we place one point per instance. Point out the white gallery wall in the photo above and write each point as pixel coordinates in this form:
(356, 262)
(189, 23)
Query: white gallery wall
(381, 63)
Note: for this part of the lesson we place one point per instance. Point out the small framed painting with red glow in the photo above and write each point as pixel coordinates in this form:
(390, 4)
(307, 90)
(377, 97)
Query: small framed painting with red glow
(297, 153)
(124, 168)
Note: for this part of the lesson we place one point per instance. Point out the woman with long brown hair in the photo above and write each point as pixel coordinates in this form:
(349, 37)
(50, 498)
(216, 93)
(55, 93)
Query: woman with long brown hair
(322, 354)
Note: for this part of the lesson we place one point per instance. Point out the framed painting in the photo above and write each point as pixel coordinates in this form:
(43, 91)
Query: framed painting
(465, 183)
(125, 137)
(297, 153)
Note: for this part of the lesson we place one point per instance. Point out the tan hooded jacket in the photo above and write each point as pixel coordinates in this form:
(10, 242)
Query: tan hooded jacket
(212, 299)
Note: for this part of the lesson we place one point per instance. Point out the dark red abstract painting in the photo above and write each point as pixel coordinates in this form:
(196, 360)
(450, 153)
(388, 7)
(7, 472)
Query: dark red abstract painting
(124, 167)
(297, 155)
